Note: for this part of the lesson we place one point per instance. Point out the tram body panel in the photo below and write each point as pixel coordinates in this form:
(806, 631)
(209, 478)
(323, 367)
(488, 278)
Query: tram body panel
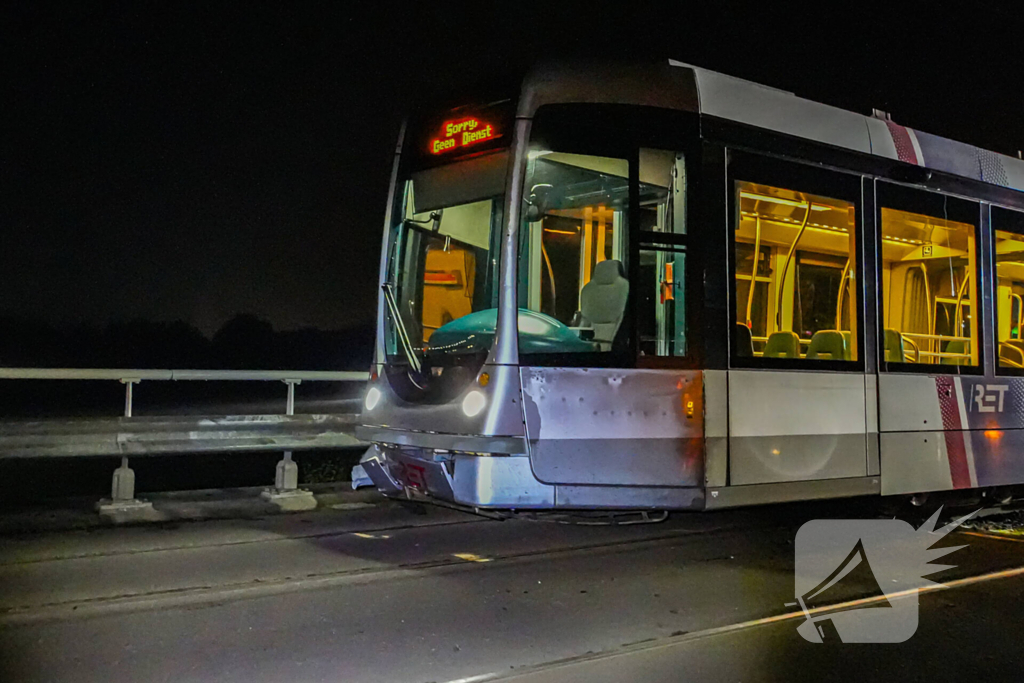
(749, 429)
(943, 432)
(716, 428)
(796, 426)
(595, 426)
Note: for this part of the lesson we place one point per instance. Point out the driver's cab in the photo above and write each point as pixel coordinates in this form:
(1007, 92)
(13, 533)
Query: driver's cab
(603, 236)
(566, 246)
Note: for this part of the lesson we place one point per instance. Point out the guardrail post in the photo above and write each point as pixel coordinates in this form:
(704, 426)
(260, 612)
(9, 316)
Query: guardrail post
(286, 493)
(122, 505)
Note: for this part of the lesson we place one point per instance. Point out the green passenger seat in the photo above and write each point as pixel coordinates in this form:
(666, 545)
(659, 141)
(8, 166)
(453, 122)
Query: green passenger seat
(742, 341)
(827, 345)
(783, 344)
(955, 346)
(894, 347)
(849, 347)
(1009, 353)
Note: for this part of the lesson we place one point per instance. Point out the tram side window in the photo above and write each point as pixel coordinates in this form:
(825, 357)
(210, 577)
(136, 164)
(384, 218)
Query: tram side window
(661, 318)
(928, 289)
(573, 287)
(1009, 284)
(795, 275)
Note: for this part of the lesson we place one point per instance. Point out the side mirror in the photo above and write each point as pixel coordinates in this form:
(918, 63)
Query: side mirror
(538, 202)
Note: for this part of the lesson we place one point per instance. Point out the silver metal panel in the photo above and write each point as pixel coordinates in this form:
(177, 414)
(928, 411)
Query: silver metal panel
(804, 457)
(913, 462)
(871, 408)
(652, 86)
(381, 478)
(716, 403)
(636, 462)
(630, 497)
(871, 402)
(716, 461)
(505, 482)
(882, 144)
(766, 403)
(634, 427)
(907, 403)
(411, 471)
(448, 442)
(716, 427)
(504, 412)
(761, 494)
(874, 466)
(796, 426)
(505, 350)
(734, 99)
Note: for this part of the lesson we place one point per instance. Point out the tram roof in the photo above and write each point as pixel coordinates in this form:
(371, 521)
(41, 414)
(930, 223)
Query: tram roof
(691, 88)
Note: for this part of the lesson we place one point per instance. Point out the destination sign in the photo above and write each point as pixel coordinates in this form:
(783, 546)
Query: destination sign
(455, 135)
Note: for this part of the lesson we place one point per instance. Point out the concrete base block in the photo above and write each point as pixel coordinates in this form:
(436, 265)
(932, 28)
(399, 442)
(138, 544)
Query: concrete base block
(290, 500)
(127, 511)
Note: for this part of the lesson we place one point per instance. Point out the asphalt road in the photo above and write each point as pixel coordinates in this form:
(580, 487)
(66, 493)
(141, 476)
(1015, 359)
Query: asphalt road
(381, 594)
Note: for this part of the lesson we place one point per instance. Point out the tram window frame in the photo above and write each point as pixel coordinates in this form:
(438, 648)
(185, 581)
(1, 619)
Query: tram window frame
(619, 132)
(937, 204)
(1009, 220)
(748, 167)
(682, 242)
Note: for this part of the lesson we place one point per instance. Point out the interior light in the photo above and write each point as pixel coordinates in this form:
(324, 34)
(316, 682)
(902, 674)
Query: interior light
(473, 403)
(372, 398)
(787, 202)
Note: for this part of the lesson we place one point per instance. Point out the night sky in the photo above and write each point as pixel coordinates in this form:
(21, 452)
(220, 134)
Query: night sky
(173, 162)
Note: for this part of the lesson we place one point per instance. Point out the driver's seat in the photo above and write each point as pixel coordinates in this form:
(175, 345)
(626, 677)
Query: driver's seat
(603, 301)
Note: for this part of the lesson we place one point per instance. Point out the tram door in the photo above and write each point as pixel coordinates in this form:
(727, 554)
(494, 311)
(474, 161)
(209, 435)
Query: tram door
(591, 418)
(931, 392)
(798, 395)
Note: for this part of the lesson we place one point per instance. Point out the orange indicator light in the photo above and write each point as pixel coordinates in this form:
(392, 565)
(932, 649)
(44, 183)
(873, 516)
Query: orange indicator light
(993, 434)
(484, 379)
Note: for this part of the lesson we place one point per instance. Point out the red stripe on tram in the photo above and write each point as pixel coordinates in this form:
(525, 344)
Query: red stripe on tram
(949, 406)
(904, 146)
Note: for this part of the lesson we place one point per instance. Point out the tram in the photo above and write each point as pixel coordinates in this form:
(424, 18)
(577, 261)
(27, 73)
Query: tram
(657, 287)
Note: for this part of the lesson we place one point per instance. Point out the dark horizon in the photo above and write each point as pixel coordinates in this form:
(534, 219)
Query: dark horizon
(165, 164)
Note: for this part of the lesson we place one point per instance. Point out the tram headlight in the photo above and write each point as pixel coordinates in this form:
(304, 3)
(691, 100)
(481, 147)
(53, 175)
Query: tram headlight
(372, 399)
(473, 403)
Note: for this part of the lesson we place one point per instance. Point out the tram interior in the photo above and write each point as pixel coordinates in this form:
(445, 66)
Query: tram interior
(574, 248)
(794, 270)
(446, 249)
(794, 299)
(1009, 248)
(928, 291)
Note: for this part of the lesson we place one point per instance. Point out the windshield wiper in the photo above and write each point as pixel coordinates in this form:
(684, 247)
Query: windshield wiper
(403, 334)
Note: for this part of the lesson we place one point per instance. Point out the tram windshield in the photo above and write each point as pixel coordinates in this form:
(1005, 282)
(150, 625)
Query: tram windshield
(443, 264)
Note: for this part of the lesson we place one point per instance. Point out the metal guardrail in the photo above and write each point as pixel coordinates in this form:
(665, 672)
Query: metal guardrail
(183, 375)
(145, 436)
(136, 436)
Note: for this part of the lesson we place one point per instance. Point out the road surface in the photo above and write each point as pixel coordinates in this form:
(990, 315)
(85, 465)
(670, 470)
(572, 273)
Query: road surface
(378, 593)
